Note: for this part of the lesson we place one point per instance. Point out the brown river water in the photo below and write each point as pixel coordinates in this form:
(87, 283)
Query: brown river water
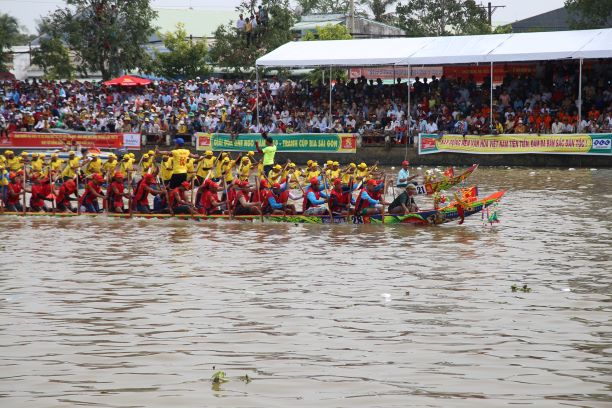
(97, 312)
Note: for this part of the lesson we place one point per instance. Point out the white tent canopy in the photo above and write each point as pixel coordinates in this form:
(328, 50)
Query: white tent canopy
(444, 50)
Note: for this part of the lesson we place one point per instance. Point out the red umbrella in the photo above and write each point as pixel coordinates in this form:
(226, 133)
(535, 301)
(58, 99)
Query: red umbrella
(128, 80)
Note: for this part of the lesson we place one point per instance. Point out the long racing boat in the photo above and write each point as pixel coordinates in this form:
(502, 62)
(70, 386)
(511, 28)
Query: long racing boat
(452, 212)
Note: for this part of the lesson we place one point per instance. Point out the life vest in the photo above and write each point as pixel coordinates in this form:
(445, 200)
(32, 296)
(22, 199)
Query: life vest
(340, 200)
(360, 203)
(65, 190)
(206, 201)
(16, 189)
(88, 197)
(306, 203)
(116, 200)
(172, 195)
(39, 193)
(141, 194)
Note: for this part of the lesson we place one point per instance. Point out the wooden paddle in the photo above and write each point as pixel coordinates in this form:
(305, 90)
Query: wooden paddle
(329, 209)
(382, 214)
(130, 200)
(260, 198)
(52, 185)
(227, 200)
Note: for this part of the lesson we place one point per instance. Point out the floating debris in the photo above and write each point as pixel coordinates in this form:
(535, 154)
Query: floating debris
(566, 290)
(593, 169)
(386, 297)
(523, 288)
(219, 377)
(571, 169)
(245, 378)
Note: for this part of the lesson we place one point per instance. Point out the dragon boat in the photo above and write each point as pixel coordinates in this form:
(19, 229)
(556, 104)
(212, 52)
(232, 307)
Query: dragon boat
(452, 212)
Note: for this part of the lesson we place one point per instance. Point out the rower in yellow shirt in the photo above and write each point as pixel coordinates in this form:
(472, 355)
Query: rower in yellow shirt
(244, 170)
(362, 173)
(334, 171)
(313, 170)
(293, 175)
(166, 168)
(110, 165)
(206, 167)
(72, 167)
(146, 165)
(190, 168)
(349, 173)
(12, 163)
(55, 164)
(37, 163)
(217, 171)
(94, 166)
(274, 175)
(227, 165)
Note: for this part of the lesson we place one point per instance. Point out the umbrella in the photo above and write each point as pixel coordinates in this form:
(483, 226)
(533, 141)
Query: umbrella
(128, 80)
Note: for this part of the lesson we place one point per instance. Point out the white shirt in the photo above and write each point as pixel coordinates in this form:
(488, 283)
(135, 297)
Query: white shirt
(432, 127)
(240, 24)
(274, 88)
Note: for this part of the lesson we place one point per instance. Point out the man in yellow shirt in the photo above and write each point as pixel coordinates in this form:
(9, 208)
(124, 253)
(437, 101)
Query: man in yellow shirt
(268, 153)
(275, 174)
(94, 166)
(166, 169)
(72, 167)
(110, 165)
(244, 170)
(207, 163)
(180, 157)
(37, 163)
(55, 164)
(12, 163)
(146, 165)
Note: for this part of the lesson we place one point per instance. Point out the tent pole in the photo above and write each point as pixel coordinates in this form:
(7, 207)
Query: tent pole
(257, 96)
(408, 115)
(330, 95)
(491, 125)
(578, 125)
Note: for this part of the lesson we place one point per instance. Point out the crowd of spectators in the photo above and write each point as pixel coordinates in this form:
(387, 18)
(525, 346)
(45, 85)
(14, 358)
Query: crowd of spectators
(542, 103)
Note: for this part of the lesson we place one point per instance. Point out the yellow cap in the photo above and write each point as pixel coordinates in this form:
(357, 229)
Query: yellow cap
(329, 162)
(251, 153)
(208, 153)
(245, 159)
(353, 165)
(34, 155)
(362, 165)
(226, 159)
(71, 153)
(278, 167)
(151, 153)
(314, 164)
(309, 162)
(54, 155)
(145, 156)
(336, 163)
(291, 165)
(24, 153)
(8, 152)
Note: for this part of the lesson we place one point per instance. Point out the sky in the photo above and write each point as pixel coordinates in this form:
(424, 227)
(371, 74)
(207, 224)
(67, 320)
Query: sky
(29, 11)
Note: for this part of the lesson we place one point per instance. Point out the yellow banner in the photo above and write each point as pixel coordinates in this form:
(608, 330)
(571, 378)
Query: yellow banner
(516, 144)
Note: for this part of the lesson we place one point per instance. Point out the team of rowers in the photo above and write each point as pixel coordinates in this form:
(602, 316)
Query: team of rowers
(218, 184)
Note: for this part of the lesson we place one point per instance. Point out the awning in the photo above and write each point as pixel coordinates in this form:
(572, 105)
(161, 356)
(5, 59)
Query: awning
(444, 50)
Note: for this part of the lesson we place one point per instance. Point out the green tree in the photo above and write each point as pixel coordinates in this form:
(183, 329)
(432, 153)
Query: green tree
(104, 35)
(326, 33)
(233, 50)
(9, 34)
(379, 8)
(442, 17)
(185, 58)
(323, 6)
(53, 58)
(583, 14)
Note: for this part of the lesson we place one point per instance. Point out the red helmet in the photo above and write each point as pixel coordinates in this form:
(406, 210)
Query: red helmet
(314, 180)
(98, 177)
(405, 163)
(119, 175)
(186, 185)
(276, 185)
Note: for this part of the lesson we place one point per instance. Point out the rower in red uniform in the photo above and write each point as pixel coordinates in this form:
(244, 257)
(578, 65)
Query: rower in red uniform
(93, 191)
(340, 199)
(275, 202)
(258, 196)
(209, 200)
(142, 191)
(14, 192)
(314, 199)
(116, 192)
(369, 200)
(241, 205)
(178, 201)
(41, 192)
(63, 196)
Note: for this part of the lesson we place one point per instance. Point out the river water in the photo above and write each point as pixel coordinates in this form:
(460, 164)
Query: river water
(137, 313)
